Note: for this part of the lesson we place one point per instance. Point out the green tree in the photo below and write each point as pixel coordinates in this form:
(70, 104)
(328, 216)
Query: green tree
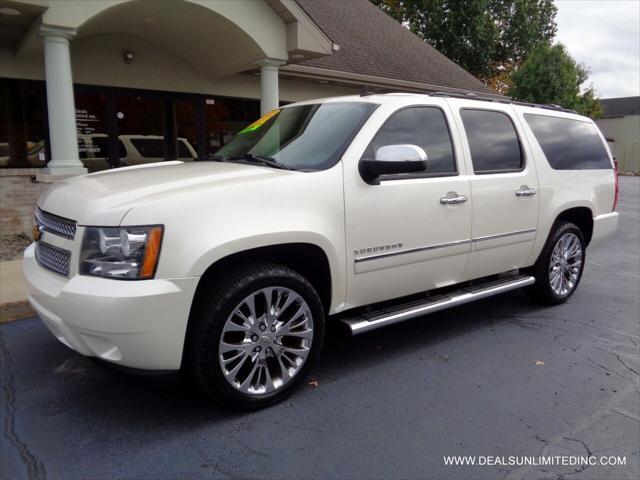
(489, 38)
(551, 75)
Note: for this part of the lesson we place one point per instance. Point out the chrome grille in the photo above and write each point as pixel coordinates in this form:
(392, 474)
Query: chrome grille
(53, 258)
(55, 224)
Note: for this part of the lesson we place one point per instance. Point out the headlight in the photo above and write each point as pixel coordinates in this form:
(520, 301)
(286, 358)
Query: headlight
(128, 252)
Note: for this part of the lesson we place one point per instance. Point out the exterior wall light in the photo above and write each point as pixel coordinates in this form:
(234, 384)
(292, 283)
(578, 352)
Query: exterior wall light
(128, 57)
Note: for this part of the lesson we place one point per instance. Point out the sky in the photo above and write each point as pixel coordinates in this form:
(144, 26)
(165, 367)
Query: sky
(605, 36)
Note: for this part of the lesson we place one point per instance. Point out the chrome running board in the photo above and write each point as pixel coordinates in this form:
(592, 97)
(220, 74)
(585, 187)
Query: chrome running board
(380, 318)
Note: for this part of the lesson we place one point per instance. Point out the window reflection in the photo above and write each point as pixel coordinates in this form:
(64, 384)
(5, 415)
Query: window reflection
(569, 144)
(224, 117)
(119, 127)
(425, 127)
(493, 141)
(22, 128)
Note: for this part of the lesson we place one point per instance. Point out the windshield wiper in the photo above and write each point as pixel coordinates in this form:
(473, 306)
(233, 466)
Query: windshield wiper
(251, 158)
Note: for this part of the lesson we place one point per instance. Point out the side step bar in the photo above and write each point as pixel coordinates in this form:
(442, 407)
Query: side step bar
(372, 320)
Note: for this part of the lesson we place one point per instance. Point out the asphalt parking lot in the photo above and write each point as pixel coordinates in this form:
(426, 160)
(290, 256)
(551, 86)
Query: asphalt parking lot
(497, 378)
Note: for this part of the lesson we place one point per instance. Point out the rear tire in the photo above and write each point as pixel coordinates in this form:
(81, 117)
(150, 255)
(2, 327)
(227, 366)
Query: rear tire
(255, 335)
(559, 267)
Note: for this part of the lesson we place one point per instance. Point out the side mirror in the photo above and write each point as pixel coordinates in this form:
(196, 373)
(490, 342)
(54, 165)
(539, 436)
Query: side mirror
(393, 159)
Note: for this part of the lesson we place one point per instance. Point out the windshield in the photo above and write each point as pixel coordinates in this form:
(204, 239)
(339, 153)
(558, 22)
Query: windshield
(304, 137)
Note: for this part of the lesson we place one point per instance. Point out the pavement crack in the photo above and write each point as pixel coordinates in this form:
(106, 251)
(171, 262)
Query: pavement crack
(619, 360)
(625, 365)
(593, 362)
(580, 442)
(35, 467)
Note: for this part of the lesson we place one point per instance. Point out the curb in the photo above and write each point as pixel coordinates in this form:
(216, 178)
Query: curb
(10, 312)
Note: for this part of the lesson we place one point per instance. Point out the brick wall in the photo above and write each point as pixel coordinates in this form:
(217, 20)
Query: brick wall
(18, 197)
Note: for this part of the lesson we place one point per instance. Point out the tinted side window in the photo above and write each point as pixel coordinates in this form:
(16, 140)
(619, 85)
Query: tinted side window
(425, 127)
(493, 141)
(149, 147)
(569, 144)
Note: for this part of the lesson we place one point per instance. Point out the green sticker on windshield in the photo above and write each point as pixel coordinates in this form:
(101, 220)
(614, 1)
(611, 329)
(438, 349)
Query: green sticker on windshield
(261, 121)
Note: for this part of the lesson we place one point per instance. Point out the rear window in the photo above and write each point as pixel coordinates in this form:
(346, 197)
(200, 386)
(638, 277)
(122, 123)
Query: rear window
(569, 144)
(493, 141)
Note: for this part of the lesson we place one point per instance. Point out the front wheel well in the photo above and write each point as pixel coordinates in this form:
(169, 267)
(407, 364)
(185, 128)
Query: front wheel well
(582, 217)
(307, 259)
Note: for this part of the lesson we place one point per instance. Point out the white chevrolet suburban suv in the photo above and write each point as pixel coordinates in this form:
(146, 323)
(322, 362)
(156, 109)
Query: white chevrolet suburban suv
(365, 210)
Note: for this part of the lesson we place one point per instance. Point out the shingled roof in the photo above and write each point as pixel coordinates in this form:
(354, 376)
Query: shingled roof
(372, 43)
(620, 107)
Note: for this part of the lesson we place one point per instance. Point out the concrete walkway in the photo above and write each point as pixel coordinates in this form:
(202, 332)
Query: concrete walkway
(13, 298)
(11, 282)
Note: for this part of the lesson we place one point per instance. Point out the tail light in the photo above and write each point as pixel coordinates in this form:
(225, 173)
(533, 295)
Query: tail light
(617, 185)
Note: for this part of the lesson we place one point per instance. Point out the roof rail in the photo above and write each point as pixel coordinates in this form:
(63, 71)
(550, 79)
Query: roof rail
(487, 98)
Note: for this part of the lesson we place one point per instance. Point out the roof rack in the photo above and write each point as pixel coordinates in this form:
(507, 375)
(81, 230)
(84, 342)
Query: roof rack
(486, 98)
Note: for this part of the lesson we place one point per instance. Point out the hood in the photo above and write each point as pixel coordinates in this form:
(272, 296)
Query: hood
(104, 198)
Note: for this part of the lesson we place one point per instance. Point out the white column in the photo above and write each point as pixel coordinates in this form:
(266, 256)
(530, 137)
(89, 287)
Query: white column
(269, 95)
(60, 103)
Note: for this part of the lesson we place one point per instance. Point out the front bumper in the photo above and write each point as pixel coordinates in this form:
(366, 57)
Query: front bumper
(604, 226)
(138, 324)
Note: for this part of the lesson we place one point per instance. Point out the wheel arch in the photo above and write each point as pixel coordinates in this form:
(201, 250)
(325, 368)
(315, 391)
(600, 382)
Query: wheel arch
(308, 259)
(581, 216)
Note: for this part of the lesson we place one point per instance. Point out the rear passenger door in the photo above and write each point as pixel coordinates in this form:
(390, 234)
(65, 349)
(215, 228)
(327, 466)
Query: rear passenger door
(504, 188)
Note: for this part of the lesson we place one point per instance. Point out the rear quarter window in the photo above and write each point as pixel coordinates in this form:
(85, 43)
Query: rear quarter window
(569, 144)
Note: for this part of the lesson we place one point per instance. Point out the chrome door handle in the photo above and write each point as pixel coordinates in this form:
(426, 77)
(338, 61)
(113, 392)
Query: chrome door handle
(452, 198)
(525, 191)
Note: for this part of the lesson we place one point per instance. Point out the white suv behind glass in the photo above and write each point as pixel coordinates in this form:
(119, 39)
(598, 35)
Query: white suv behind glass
(363, 210)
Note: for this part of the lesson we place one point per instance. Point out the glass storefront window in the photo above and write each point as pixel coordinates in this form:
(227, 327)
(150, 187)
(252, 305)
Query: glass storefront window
(187, 129)
(224, 117)
(140, 122)
(119, 127)
(22, 125)
(91, 126)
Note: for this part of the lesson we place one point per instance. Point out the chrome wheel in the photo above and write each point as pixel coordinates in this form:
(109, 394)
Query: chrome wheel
(565, 265)
(266, 340)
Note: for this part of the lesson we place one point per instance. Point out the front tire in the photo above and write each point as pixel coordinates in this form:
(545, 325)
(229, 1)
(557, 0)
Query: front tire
(559, 267)
(256, 335)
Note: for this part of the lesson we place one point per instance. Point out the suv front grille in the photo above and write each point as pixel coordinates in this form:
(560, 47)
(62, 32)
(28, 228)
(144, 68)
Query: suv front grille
(55, 224)
(53, 258)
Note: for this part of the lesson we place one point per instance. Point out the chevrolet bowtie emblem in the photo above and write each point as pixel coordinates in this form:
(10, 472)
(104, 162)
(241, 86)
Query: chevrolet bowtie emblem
(36, 232)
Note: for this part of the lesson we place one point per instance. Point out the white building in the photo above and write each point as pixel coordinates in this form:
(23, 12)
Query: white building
(97, 84)
(620, 124)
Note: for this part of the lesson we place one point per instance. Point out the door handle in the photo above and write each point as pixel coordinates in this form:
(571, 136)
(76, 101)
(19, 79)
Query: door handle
(452, 198)
(525, 191)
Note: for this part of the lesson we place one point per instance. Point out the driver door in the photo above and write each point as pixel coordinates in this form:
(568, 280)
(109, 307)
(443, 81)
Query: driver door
(403, 236)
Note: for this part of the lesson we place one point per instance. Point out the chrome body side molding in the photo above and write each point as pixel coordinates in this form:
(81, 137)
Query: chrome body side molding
(456, 243)
(502, 235)
(412, 250)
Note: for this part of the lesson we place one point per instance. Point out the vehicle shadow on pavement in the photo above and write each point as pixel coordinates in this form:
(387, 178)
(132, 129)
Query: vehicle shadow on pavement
(343, 352)
(94, 390)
